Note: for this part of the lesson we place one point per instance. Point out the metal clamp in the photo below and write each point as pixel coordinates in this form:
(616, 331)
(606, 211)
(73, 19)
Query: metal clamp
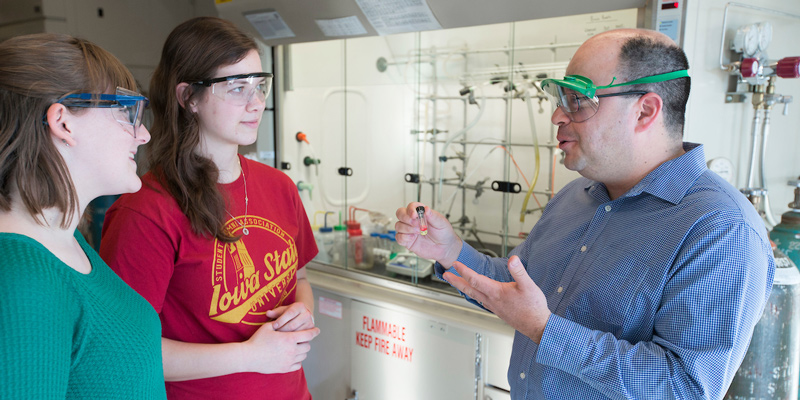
(508, 187)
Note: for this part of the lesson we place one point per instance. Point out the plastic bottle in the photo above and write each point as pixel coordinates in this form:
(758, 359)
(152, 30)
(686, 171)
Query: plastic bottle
(339, 251)
(395, 248)
(381, 249)
(355, 247)
(370, 243)
(324, 238)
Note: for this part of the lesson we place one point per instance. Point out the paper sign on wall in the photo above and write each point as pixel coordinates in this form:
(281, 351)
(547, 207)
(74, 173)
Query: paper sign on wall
(398, 16)
(347, 26)
(329, 307)
(269, 24)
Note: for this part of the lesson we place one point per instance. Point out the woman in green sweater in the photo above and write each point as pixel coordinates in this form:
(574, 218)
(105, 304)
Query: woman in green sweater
(70, 125)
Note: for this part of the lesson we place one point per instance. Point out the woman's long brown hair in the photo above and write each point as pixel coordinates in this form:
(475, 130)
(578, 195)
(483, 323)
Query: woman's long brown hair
(194, 51)
(35, 71)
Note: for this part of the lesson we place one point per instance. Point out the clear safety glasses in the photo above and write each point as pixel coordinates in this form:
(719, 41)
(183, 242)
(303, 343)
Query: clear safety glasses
(576, 95)
(240, 89)
(126, 106)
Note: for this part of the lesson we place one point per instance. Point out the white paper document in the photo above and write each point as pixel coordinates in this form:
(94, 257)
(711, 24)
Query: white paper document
(398, 16)
(347, 26)
(269, 25)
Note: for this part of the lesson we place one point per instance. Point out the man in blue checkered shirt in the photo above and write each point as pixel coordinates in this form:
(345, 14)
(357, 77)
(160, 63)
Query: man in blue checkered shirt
(644, 278)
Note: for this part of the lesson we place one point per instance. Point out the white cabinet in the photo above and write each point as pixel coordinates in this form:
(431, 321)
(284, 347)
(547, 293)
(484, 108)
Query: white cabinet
(400, 342)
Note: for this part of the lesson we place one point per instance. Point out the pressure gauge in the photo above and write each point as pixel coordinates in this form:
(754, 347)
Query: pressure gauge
(746, 40)
(764, 35)
(722, 167)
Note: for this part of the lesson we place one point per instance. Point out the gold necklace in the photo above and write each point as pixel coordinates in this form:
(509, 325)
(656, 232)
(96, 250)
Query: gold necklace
(245, 231)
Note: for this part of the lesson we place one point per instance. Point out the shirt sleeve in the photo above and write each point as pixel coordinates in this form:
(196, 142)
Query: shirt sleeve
(709, 308)
(36, 328)
(495, 268)
(140, 252)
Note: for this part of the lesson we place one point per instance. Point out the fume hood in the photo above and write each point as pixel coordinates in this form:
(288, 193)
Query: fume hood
(296, 21)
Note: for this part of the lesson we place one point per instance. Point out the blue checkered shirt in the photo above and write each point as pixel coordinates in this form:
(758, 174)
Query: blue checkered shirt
(654, 295)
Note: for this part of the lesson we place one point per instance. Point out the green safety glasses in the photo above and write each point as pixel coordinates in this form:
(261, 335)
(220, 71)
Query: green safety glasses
(240, 89)
(126, 106)
(575, 94)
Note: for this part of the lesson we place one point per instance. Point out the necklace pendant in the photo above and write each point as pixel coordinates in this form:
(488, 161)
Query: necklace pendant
(245, 231)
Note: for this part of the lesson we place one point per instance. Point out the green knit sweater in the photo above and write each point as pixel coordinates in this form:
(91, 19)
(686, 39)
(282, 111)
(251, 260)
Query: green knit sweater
(64, 334)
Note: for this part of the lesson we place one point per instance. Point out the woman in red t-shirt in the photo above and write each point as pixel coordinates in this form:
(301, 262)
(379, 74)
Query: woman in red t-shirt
(216, 242)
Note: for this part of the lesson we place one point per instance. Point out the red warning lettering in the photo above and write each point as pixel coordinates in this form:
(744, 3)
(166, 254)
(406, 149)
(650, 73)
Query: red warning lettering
(387, 345)
(363, 340)
(384, 328)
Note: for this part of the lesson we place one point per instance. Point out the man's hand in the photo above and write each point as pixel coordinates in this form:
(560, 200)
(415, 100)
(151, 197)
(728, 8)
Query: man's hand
(440, 243)
(520, 304)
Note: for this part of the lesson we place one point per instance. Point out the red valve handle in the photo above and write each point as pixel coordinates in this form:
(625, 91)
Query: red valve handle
(749, 67)
(788, 67)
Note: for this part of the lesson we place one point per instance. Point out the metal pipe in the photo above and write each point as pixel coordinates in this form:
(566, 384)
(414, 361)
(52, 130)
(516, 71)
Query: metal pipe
(282, 64)
(506, 154)
(500, 234)
(754, 145)
(525, 68)
(486, 97)
(522, 48)
(434, 124)
(764, 133)
(499, 143)
(464, 161)
(722, 38)
(434, 53)
(473, 187)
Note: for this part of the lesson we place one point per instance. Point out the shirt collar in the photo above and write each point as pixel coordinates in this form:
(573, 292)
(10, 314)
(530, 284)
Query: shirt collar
(672, 179)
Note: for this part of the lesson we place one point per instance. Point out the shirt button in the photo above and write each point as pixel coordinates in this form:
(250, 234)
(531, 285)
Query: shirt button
(522, 375)
(583, 249)
(560, 289)
(608, 208)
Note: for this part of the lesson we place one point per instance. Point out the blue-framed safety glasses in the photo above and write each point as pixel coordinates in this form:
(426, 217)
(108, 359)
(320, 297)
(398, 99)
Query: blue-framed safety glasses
(576, 94)
(240, 89)
(126, 106)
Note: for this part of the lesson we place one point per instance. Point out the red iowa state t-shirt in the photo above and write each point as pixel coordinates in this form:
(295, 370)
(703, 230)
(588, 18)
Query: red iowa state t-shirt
(207, 291)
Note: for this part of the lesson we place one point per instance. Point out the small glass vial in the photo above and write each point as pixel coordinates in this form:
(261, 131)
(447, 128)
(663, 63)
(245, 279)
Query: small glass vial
(423, 225)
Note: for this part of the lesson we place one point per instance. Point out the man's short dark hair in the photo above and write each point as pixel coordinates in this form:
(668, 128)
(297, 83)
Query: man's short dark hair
(643, 56)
